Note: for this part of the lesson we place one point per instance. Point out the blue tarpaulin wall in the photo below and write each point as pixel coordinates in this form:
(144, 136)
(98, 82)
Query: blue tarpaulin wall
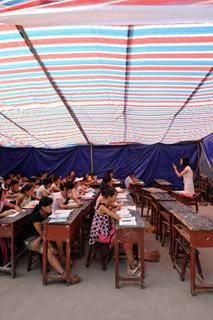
(147, 161)
(208, 147)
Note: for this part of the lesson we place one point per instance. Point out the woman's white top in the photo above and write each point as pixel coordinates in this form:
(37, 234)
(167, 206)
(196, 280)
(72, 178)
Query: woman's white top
(56, 200)
(188, 181)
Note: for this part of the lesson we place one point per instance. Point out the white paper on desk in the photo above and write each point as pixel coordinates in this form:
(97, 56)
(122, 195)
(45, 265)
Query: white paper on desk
(127, 222)
(61, 214)
(124, 213)
(88, 195)
(57, 219)
(133, 208)
(55, 195)
(72, 202)
(31, 204)
(118, 189)
(122, 196)
(14, 213)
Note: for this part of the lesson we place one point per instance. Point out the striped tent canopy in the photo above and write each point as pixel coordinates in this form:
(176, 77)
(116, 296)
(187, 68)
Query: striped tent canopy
(103, 84)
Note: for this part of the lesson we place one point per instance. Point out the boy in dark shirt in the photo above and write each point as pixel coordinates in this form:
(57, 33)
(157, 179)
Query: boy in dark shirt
(34, 240)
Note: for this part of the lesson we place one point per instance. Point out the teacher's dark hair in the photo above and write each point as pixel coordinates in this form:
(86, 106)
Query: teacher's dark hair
(185, 162)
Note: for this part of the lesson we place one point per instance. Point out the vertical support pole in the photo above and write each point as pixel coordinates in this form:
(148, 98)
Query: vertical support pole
(91, 158)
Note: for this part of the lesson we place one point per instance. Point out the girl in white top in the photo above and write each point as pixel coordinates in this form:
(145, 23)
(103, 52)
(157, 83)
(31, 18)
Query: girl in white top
(26, 196)
(55, 187)
(187, 175)
(61, 200)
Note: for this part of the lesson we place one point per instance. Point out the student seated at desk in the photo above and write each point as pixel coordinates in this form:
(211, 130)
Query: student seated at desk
(61, 201)
(106, 182)
(44, 189)
(87, 179)
(34, 241)
(27, 195)
(102, 229)
(34, 181)
(55, 187)
(130, 180)
(79, 187)
(5, 203)
(72, 194)
(109, 174)
(71, 176)
(14, 188)
(187, 175)
(6, 183)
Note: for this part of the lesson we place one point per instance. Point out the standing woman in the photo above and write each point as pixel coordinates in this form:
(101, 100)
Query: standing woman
(187, 175)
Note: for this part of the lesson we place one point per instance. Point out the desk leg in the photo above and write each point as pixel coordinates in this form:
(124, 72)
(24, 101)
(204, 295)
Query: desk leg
(192, 271)
(171, 246)
(44, 260)
(116, 264)
(142, 204)
(157, 223)
(13, 256)
(141, 246)
(68, 261)
(81, 235)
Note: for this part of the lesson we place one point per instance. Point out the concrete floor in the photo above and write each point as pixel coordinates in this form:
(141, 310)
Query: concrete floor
(164, 298)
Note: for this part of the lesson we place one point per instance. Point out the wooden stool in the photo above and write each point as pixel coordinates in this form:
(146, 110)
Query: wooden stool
(104, 252)
(182, 251)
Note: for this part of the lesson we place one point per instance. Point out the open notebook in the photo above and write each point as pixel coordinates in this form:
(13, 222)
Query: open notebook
(127, 221)
(60, 215)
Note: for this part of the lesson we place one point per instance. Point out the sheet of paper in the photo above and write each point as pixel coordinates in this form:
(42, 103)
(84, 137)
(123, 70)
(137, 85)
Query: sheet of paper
(128, 222)
(133, 208)
(13, 213)
(60, 214)
(88, 195)
(31, 204)
(122, 196)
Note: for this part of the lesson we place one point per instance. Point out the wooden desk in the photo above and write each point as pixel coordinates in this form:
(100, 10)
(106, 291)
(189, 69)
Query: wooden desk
(200, 236)
(185, 200)
(10, 227)
(130, 235)
(146, 195)
(163, 184)
(65, 232)
(156, 198)
(135, 190)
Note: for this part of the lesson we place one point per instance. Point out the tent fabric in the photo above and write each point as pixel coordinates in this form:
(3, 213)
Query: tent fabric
(148, 162)
(34, 161)
(123, 83)
(208, 148)
(104, 12)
